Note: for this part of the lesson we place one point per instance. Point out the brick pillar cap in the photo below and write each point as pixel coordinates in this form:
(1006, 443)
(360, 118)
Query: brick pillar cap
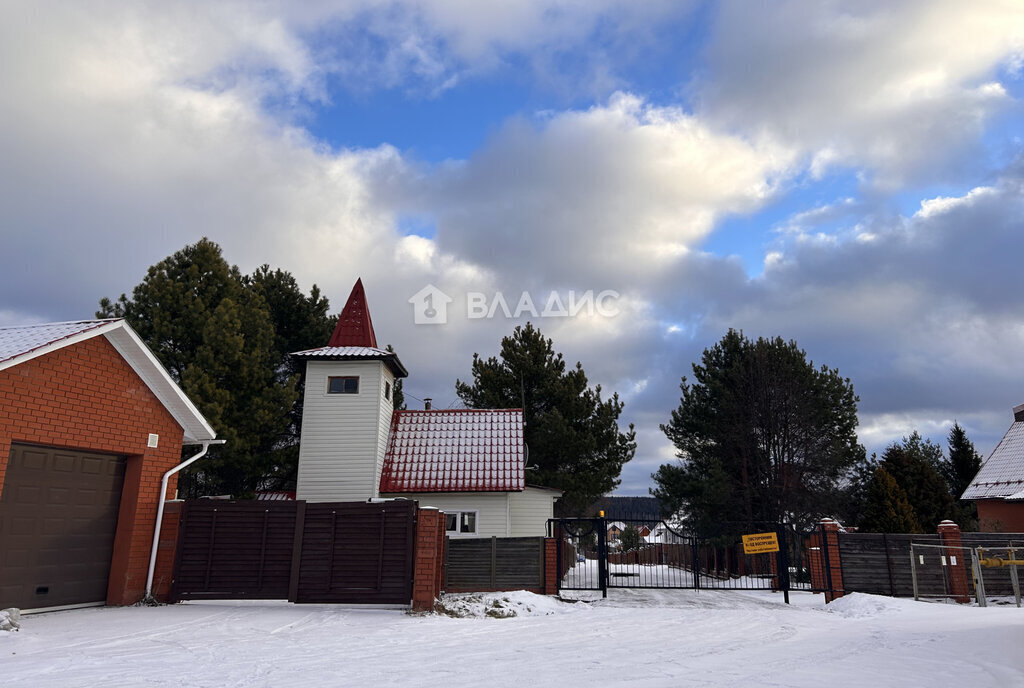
(947, 524)
(429, 508)
(828, 521)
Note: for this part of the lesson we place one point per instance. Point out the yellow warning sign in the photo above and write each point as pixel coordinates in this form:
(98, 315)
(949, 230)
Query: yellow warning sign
(759, 543)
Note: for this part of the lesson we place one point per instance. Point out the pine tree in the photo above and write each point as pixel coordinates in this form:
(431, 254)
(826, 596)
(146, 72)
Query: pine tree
(887, 509)
(224, 338)
(572, 434)
(761, 434)
(300, 322)
(174, 301)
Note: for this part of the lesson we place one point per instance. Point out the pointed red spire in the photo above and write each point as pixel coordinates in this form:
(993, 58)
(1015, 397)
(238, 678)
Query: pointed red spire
(354, 326)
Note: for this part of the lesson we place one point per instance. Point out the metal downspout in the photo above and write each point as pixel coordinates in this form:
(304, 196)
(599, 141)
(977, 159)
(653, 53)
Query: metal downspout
(160, 510)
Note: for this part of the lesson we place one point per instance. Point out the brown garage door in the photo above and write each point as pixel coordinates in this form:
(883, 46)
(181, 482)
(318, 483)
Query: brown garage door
(58, 515)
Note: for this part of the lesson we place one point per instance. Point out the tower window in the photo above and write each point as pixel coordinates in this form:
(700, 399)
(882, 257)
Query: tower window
(343, 385)
(387, 391)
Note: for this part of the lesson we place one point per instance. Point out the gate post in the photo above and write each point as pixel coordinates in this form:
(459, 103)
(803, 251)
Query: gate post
(830, 555)
(953, 550)
(782, 562)
(428, 567)
(552, 565)
(602, 555)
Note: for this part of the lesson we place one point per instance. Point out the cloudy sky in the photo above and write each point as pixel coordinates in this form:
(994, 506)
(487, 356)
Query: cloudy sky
(849, 175)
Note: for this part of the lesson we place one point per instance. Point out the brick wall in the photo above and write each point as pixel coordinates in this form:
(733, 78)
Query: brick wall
(1000, 516)
(551, 572)
(428, 566)
(85, 396)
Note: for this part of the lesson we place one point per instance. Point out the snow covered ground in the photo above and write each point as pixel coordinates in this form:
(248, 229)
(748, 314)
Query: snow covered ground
(635, 638)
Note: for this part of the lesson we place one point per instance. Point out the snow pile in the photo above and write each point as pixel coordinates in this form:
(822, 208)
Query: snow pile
(859, 605)
(499, 605)
(10, 619)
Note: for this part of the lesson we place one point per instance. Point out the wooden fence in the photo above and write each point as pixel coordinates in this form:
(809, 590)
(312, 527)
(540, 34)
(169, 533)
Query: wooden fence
(880, 564)
(326, 552)
(485, 564)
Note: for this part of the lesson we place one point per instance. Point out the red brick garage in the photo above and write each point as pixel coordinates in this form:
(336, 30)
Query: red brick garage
(89, 423)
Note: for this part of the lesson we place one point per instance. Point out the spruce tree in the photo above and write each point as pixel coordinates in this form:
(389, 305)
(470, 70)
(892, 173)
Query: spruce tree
(962, 467)
(572, 434)
(887, 509)
(630, 539)
(912, 464)
(964, 461)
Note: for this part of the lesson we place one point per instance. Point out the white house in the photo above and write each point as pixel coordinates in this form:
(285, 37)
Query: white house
(355, 446)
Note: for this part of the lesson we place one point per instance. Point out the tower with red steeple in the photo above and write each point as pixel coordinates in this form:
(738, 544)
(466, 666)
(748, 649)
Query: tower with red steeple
(347, 409)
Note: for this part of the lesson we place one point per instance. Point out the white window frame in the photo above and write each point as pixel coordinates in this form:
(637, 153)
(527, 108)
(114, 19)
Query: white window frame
(458, 514)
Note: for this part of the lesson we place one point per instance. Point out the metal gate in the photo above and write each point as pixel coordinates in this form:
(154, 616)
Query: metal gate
(602, 553)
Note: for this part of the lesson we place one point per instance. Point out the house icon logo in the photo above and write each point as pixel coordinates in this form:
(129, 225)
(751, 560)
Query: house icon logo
(430, 306)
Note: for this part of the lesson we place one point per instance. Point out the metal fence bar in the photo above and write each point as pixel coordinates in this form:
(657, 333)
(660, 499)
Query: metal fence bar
(913, 571)
(979, 580)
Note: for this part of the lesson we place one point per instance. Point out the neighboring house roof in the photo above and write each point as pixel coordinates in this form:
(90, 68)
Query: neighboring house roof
(353, 338)
(275, 495)
(23, 343)
(1002, 474)
(455, 451)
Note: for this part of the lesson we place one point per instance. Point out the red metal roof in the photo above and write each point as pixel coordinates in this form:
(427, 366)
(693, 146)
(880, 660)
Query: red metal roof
(454, 451)
(354, 327)
(275, 495)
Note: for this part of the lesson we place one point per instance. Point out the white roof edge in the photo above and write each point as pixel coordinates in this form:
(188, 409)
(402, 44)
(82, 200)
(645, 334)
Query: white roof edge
(135, 352)
(146, 365)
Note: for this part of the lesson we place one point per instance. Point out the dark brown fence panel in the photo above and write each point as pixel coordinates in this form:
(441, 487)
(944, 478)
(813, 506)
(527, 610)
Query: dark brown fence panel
(356, 553)
(879, 564)
(234, 550)
(475, 564)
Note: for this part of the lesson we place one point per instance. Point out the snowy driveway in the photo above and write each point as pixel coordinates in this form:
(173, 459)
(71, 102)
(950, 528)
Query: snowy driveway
(636, 638)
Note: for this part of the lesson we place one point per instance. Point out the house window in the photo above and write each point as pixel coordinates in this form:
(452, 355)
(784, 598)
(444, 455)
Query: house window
(387, 391)
(460, 522)
(343, 385)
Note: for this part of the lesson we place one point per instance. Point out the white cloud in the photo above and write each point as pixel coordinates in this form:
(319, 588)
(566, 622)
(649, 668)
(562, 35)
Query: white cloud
(586, 197)
(903, 88)
(935, 206)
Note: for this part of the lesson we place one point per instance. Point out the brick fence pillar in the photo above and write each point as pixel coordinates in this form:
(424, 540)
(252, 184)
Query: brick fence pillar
(551, 566)
(167, 548)
(830, 551)
(428, 569)
(955, 565)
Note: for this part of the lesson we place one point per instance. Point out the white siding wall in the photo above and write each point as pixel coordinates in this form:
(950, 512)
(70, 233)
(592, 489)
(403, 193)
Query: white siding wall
(531, 510)
(383, 422)
(341, 448)
(491, 508)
